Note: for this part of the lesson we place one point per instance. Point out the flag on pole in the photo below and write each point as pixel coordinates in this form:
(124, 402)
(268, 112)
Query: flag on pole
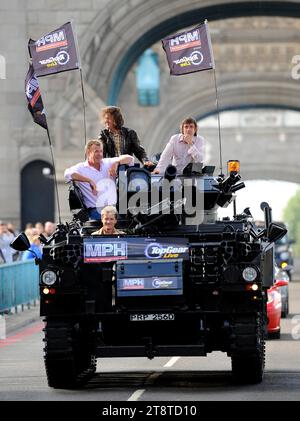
(189, 51)
(34, 98)
(55, 52)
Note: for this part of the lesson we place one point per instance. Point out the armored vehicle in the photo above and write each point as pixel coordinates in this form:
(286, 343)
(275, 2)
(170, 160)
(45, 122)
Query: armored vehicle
(180, 282)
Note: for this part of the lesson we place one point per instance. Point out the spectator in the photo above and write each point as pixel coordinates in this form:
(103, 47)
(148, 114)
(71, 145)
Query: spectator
(49, 229)
(6, 238)
(35, 249)
(12, 229)
(29, 232)
(39, 227)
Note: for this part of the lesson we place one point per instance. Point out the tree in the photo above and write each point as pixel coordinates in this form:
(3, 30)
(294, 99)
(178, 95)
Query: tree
(291, 215)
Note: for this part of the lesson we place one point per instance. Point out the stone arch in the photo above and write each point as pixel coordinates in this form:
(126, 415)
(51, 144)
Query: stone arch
(118, 35)
(34, 156)
(37, 193)
(259, 94)
(201, 104)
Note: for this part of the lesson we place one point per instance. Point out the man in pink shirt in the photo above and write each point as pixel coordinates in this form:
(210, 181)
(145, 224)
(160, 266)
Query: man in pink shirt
(96, 177)
(182, 148)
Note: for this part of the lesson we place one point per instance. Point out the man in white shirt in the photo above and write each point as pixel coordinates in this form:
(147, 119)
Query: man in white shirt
(96, 177)
(182, 148)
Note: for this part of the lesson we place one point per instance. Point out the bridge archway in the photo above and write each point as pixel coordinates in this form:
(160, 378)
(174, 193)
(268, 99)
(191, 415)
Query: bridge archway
(246, 95)
(37, 198)
(107, 72)
(117, 37)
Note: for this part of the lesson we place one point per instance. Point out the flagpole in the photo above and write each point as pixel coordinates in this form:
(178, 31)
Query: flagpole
(83, 103)
(219, 124)
(54, 173)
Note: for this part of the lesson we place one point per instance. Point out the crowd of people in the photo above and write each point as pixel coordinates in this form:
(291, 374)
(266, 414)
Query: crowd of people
(8, 232)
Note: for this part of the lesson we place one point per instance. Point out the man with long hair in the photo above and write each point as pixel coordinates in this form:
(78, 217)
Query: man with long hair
(119, 140)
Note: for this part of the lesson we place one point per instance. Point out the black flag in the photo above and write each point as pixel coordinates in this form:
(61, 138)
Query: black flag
(33, 95)
(55, 52)
(189, 51)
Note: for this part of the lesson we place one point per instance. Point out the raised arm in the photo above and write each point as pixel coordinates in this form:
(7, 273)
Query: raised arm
(125, 159)
(196, 150)
(73, 174)
(122, 159)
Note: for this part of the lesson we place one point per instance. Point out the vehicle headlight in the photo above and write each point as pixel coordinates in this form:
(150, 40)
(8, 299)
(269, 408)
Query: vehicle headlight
(249, 274)
(49, 277)
(284, 255)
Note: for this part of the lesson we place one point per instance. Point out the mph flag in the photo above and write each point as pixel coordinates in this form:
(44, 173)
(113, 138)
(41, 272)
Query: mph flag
(190, 51)
(55, 52)
(33, 95)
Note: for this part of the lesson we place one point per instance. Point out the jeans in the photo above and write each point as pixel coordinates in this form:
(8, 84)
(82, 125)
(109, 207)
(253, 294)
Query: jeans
(94, 214)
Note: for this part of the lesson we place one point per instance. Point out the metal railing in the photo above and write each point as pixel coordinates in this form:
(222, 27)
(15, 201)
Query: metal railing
(19, 285)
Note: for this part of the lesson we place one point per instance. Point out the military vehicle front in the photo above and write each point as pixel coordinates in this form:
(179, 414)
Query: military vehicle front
(179, 282)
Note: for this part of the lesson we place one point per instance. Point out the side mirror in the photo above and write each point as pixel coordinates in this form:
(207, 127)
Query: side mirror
(275, 232)
(20, 243)
(281, 283)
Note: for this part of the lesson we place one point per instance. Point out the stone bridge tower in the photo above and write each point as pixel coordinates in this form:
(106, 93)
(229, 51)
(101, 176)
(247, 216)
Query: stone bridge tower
(254, 43)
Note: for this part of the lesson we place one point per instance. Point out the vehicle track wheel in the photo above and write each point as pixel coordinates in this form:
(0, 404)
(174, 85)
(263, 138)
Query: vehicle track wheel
(69, 353)
(248, 355)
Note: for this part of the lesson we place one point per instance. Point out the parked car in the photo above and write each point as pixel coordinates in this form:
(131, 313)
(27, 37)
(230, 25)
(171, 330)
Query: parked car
(282, 275)
(274, 308)
(284, 254)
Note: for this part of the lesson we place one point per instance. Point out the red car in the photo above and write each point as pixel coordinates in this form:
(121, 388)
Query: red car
(274, 309)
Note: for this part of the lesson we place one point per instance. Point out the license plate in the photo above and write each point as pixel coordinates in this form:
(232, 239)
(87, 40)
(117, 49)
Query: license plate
(152, 317)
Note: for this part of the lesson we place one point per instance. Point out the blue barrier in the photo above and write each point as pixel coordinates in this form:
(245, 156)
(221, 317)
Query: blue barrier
(19, 284)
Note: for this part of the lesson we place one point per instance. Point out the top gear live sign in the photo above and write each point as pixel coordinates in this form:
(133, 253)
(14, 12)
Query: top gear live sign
(190, 51)
(55, 52)
(111, 249)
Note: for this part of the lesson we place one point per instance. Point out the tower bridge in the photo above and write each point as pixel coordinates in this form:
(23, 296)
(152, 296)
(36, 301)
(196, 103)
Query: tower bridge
(254, 43)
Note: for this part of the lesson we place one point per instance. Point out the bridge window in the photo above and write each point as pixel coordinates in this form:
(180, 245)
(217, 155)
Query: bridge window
(148, 79)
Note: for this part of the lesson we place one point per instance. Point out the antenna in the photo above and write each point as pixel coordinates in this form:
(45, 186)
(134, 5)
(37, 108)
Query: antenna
(218, 113)
(219, 124)
(81, 79)
(83, 103)
(54, 173)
